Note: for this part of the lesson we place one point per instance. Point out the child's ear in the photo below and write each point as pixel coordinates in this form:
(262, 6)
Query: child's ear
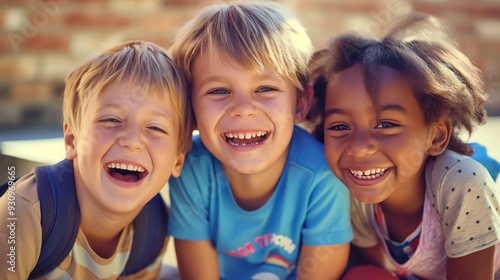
(69, 142)
(176, 170)
(440, 137)
(304, 104)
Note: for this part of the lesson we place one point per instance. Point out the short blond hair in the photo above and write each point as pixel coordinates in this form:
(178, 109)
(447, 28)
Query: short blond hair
(136, 64)
(259, 35)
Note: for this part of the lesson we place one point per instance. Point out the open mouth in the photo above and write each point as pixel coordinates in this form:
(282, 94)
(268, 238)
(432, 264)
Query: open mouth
(126, 172)
(246, 139)
(368, 174)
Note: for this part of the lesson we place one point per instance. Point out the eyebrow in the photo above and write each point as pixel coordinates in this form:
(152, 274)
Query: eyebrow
(110, 105)
(333, 111)
(258, 77)
(394, 107)
(388, 107)
(167, 115)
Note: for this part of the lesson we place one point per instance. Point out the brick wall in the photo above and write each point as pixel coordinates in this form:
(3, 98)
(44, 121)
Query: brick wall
(42, 40)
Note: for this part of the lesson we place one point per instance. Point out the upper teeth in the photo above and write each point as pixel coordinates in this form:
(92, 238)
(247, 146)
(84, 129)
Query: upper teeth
(124, 166)
(246, 135)
(368, 174)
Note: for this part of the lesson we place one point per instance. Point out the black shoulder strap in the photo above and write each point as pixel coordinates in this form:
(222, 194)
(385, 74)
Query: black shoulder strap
(60, 214)
(4, 187)
(150, 230)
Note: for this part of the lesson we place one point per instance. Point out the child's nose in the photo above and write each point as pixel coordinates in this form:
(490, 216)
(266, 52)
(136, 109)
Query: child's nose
(242, 106)
(131, 138)
(361, 145)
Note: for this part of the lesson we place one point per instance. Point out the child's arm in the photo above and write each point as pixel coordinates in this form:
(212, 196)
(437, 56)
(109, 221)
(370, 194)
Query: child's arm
(326, 232)
(196, 259)
(478, 265)
(468, 203)
(322, 262)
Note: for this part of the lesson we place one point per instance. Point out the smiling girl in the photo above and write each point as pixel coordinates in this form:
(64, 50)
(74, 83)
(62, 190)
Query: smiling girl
(392, 112)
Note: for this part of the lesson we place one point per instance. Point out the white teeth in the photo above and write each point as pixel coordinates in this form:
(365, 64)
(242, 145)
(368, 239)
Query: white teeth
(124, 166)
(247, 135)
(368, 174)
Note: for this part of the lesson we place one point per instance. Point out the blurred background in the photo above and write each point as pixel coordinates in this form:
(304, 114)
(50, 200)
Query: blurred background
(42, 40)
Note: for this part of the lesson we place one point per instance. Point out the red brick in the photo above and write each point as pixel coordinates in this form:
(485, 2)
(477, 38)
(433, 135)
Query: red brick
(168, 3)
(160, 39)
(348, 6)
(473, 9)
(88, 1)
(31, 92)
(17, 67)
(437, 9)
(164, 21)
(15, 2)
(97, 21)
(47, 43)
(5, 45)
(491, 12)
(2, 17)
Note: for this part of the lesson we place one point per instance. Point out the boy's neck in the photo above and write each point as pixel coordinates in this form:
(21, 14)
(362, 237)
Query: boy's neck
(102, 230)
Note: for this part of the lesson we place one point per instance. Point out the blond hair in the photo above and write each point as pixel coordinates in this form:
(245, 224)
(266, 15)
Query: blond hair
(259, 35)
(135, 64)
(446, 84)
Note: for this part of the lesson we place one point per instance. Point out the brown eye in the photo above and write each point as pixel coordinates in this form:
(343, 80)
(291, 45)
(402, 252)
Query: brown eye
(339, 127)
(386, 125)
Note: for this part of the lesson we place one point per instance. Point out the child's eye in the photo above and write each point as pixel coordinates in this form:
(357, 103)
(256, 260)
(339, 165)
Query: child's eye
(386, 125)
(110, 120)
(219, 91)
(265, 89)
(339, 127)
(155, 128)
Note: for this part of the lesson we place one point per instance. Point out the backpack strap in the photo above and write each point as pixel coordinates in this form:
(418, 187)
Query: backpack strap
(60, 214)
(60, 220)
(4, 187)
(150, 230)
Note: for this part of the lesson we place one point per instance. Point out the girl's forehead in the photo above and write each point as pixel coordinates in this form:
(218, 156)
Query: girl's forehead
(386, 85)
(381, 76)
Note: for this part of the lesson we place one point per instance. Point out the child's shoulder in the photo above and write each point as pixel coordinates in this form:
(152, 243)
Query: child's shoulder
(307, 152)
(450, 160)
(451, 168)
(197, 146)
(26, 188)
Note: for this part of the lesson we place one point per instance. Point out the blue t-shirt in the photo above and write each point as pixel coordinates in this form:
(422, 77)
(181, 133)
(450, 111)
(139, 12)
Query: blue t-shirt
(309, 206)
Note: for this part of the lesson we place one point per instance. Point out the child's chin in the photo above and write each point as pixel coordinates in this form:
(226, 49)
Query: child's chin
(367, 198)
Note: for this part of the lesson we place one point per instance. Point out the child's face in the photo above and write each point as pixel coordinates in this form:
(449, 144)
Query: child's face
(126, 148)
(375, 157)
(245, 119)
